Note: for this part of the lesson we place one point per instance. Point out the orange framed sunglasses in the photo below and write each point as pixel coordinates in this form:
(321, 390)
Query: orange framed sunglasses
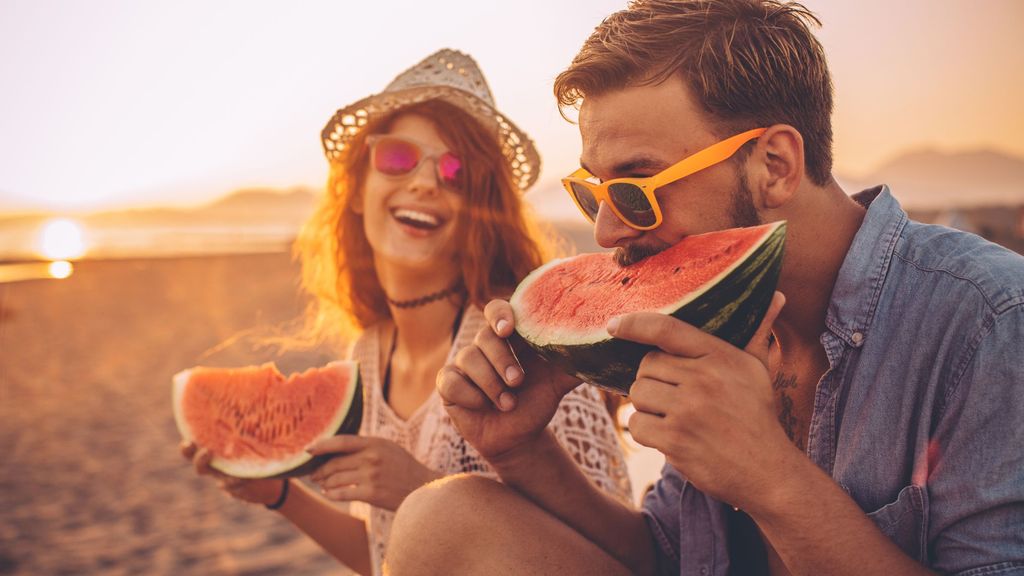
(632, 199)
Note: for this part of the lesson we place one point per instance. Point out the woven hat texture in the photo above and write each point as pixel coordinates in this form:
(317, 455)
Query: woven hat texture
(446, 75)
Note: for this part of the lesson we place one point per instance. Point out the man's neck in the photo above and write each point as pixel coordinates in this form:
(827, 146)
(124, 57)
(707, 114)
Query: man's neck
(822, 224)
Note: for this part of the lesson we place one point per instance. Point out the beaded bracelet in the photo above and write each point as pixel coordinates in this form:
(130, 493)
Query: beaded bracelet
(282, 497)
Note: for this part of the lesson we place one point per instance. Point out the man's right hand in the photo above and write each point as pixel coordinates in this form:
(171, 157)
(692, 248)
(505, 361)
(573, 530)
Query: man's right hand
(500, 400)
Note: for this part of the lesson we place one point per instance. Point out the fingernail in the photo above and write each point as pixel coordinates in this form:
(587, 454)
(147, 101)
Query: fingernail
(501, 325)
(506, 401)
(613, 325)
(512, 373)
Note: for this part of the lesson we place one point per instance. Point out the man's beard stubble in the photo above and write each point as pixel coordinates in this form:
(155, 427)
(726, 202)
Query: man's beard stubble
(741, 213)
(633, 253)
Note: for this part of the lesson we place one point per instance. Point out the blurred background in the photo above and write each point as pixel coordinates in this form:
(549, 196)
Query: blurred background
(157, 158)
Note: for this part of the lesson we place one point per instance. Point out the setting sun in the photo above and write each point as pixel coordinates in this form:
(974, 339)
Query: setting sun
(60, 269)
(61, 239)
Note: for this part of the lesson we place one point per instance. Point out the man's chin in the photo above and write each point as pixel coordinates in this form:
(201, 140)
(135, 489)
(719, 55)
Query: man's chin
(633, 253)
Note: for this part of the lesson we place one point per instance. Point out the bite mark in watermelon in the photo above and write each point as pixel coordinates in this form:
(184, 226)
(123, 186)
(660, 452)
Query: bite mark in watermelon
(722, 282)
(257, 423)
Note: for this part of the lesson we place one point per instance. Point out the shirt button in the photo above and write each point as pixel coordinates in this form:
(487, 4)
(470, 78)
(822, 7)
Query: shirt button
(704, 570)
(857, 338)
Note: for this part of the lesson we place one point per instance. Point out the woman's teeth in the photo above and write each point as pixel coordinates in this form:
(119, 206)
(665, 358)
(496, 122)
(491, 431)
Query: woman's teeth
(416, 219)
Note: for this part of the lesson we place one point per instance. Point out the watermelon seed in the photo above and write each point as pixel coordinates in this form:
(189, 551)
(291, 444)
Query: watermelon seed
(625, 280)
(676, 271)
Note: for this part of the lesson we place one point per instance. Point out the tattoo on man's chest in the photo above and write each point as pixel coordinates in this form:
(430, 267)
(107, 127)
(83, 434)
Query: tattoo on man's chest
(787, 418)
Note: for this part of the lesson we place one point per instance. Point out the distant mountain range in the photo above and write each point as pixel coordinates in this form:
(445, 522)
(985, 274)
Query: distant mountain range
(929, 179)
(248, 207)
(251, 206)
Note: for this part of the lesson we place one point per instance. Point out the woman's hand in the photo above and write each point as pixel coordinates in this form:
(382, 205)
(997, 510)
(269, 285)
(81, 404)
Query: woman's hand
(256, 491)
(371, 470)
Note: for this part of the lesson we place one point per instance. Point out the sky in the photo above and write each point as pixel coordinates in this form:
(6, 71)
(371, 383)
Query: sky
(120, 103)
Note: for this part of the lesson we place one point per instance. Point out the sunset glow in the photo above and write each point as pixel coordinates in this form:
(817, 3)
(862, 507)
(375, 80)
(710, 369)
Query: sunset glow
(61, 269)
(139, 131)
(61, 239)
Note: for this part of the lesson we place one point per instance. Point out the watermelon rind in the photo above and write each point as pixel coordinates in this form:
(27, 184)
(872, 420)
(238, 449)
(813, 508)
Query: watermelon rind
(346, 420)
(730, 306)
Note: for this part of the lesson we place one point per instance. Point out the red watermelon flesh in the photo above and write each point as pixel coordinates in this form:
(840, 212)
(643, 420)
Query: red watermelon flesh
(257, 422)
(721, 282)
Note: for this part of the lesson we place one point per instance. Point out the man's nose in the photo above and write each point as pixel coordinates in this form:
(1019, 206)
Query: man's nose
(610, 231)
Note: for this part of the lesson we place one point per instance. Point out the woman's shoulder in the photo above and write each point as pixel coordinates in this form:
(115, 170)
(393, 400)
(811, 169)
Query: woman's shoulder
(365, 340)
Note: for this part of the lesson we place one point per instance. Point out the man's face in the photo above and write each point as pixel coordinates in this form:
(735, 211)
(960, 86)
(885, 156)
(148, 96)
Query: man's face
(640, 131)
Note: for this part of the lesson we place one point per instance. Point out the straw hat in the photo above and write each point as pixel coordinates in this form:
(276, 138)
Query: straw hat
(445, 75)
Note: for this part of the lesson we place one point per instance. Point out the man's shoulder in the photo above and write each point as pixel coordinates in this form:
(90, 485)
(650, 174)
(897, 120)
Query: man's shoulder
(977, 267)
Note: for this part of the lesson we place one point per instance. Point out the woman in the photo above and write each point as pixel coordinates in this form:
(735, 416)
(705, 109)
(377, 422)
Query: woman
(422, 225)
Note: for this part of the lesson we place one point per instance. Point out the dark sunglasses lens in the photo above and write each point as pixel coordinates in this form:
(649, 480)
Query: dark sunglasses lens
(585, 198)
(395, 157)
(632, 203)
(449, 168)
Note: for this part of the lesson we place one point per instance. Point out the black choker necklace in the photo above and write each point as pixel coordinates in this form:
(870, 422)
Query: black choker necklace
(455, 288)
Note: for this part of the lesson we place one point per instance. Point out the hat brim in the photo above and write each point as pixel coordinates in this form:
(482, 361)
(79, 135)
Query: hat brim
(517, 147)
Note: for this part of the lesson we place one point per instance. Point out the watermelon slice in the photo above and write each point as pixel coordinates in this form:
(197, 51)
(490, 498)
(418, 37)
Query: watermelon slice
(257, 423)
(721, 282)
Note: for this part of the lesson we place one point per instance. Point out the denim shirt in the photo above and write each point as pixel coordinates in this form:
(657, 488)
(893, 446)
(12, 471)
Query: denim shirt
(920, 415)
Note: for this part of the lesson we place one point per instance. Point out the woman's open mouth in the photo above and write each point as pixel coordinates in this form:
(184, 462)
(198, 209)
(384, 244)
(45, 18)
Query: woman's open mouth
(417, 219)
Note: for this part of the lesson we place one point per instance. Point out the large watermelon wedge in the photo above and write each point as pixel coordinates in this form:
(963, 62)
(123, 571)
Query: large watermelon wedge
(257, 423)
(721, 282)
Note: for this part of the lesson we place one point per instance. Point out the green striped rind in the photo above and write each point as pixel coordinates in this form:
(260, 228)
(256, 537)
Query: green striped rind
(347, 421)
(731, 310)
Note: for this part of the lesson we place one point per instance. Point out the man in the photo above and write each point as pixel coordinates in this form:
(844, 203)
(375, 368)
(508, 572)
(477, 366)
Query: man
(872, 426)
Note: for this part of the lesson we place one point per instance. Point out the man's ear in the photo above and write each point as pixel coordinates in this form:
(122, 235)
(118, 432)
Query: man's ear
(775, 167)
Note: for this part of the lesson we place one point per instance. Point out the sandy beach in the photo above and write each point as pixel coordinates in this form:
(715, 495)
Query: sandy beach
(92, 481)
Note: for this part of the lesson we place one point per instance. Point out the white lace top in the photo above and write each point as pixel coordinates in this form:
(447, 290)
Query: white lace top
(582, 425)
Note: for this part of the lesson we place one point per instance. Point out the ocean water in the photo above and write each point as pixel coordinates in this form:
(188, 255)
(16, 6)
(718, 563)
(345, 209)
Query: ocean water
(21, 240)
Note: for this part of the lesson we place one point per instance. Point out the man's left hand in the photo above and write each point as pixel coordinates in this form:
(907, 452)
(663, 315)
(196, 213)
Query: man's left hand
(707, 405)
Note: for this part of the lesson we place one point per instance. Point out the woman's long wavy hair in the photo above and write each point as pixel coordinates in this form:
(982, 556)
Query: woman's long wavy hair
(497, 243)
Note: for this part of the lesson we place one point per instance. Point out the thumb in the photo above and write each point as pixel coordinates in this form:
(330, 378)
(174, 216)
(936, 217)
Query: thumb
(759, 343)
(341, 443)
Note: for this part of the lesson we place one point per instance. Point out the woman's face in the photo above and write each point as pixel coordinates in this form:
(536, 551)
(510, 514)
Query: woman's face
(410, 219)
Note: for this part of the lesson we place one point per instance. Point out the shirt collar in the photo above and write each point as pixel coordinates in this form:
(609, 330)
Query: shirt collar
(859, 284)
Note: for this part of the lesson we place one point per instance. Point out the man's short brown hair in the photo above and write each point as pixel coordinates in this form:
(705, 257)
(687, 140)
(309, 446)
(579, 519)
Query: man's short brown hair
(749, 63)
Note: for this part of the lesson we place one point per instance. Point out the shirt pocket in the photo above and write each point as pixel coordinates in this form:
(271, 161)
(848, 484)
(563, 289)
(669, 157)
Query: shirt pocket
(905, 521)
